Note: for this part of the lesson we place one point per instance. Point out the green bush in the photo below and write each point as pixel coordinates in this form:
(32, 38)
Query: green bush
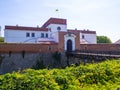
(1, 39)
(99, 76)
(39, 65)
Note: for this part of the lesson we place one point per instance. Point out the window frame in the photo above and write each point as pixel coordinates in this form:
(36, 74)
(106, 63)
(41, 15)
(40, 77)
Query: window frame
(58, 28)
(42, 35)
(32, 34)
(46, 35)
(83, 36)
(27, 34)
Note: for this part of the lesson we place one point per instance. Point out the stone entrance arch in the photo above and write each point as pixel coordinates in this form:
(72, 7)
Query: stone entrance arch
(69, 42)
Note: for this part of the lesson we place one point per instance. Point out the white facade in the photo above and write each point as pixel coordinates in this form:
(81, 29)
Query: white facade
(55, 36)
(48, 32)
(20, 36)
(54, 27)
(88, 38)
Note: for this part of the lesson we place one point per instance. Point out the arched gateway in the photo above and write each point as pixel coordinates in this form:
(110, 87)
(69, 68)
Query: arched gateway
(69, 45)
(69, 42)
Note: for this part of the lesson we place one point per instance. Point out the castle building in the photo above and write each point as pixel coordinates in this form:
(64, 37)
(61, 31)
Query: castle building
(53, 31)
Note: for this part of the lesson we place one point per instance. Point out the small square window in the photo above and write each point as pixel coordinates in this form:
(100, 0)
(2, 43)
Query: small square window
(33, 34)
(42, 35)
(46, 35)
(83, 36)
(49, 47)
(27, 34)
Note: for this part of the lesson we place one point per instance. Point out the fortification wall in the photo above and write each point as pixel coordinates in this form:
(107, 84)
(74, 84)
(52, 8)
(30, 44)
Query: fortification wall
(21, 56)
(34, 48)
(44, 48)
(100, 47)
(18, 61)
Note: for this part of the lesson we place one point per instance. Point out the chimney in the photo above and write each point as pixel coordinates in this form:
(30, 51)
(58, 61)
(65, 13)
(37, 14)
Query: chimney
(37, 26)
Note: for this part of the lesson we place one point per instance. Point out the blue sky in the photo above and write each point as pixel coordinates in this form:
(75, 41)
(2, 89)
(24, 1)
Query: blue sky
(102, 16)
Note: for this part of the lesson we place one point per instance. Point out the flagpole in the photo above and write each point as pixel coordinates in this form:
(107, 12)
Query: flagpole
(57, 13)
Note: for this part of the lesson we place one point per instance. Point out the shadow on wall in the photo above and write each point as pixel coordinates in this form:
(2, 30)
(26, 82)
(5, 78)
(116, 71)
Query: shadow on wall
(1, 59)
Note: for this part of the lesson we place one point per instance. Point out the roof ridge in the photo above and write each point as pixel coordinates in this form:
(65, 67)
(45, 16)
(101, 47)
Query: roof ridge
(54, 21)
(25, 28)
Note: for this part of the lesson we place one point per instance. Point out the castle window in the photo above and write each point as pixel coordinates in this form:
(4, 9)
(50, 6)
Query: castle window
(27, 34)
(42, 35)
(46, 35)
(49, 47)
(83, 36)
(33, 34)
(58, 28)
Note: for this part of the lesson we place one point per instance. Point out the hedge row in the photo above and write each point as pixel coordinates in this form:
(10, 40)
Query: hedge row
(100, 76)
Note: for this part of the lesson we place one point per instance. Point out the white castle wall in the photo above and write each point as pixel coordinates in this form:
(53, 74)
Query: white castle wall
(55, 36)
(19, 36)
(90, 38)
(53, 27)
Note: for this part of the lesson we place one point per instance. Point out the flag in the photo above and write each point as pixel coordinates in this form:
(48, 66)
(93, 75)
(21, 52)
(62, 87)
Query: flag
(56, 10)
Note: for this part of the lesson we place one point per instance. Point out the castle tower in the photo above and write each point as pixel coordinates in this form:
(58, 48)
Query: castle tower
(56, 24)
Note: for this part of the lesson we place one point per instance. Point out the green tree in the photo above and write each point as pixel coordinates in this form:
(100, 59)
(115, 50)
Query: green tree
(1, 39)
(103, 39)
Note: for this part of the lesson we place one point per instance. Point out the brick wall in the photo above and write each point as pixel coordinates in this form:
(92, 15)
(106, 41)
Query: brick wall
(61, 41)
(17, 47)
(33, 48)
(77, 41)
(100, 47)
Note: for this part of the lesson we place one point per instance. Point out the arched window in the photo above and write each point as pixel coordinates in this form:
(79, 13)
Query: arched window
(58, 28)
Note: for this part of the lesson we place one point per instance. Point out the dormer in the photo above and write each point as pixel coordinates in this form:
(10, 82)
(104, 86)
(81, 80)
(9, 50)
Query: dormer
(56, 24)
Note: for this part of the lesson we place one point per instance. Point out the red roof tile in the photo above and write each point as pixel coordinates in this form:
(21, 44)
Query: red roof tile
(55, 21)
(82, 31)
(47, 42)
(117, 42)
(88, 32)
(25, 28)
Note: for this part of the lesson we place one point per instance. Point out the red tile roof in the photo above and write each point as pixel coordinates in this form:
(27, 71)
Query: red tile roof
(72, 30)
(82, 31)
(25, 28)
(47, 42)
(55, 21)
(88, 32)
(117, 42)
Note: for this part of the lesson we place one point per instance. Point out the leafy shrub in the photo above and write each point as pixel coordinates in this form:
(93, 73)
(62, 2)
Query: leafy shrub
(1, 39)
(39, 65)
(103, 76)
